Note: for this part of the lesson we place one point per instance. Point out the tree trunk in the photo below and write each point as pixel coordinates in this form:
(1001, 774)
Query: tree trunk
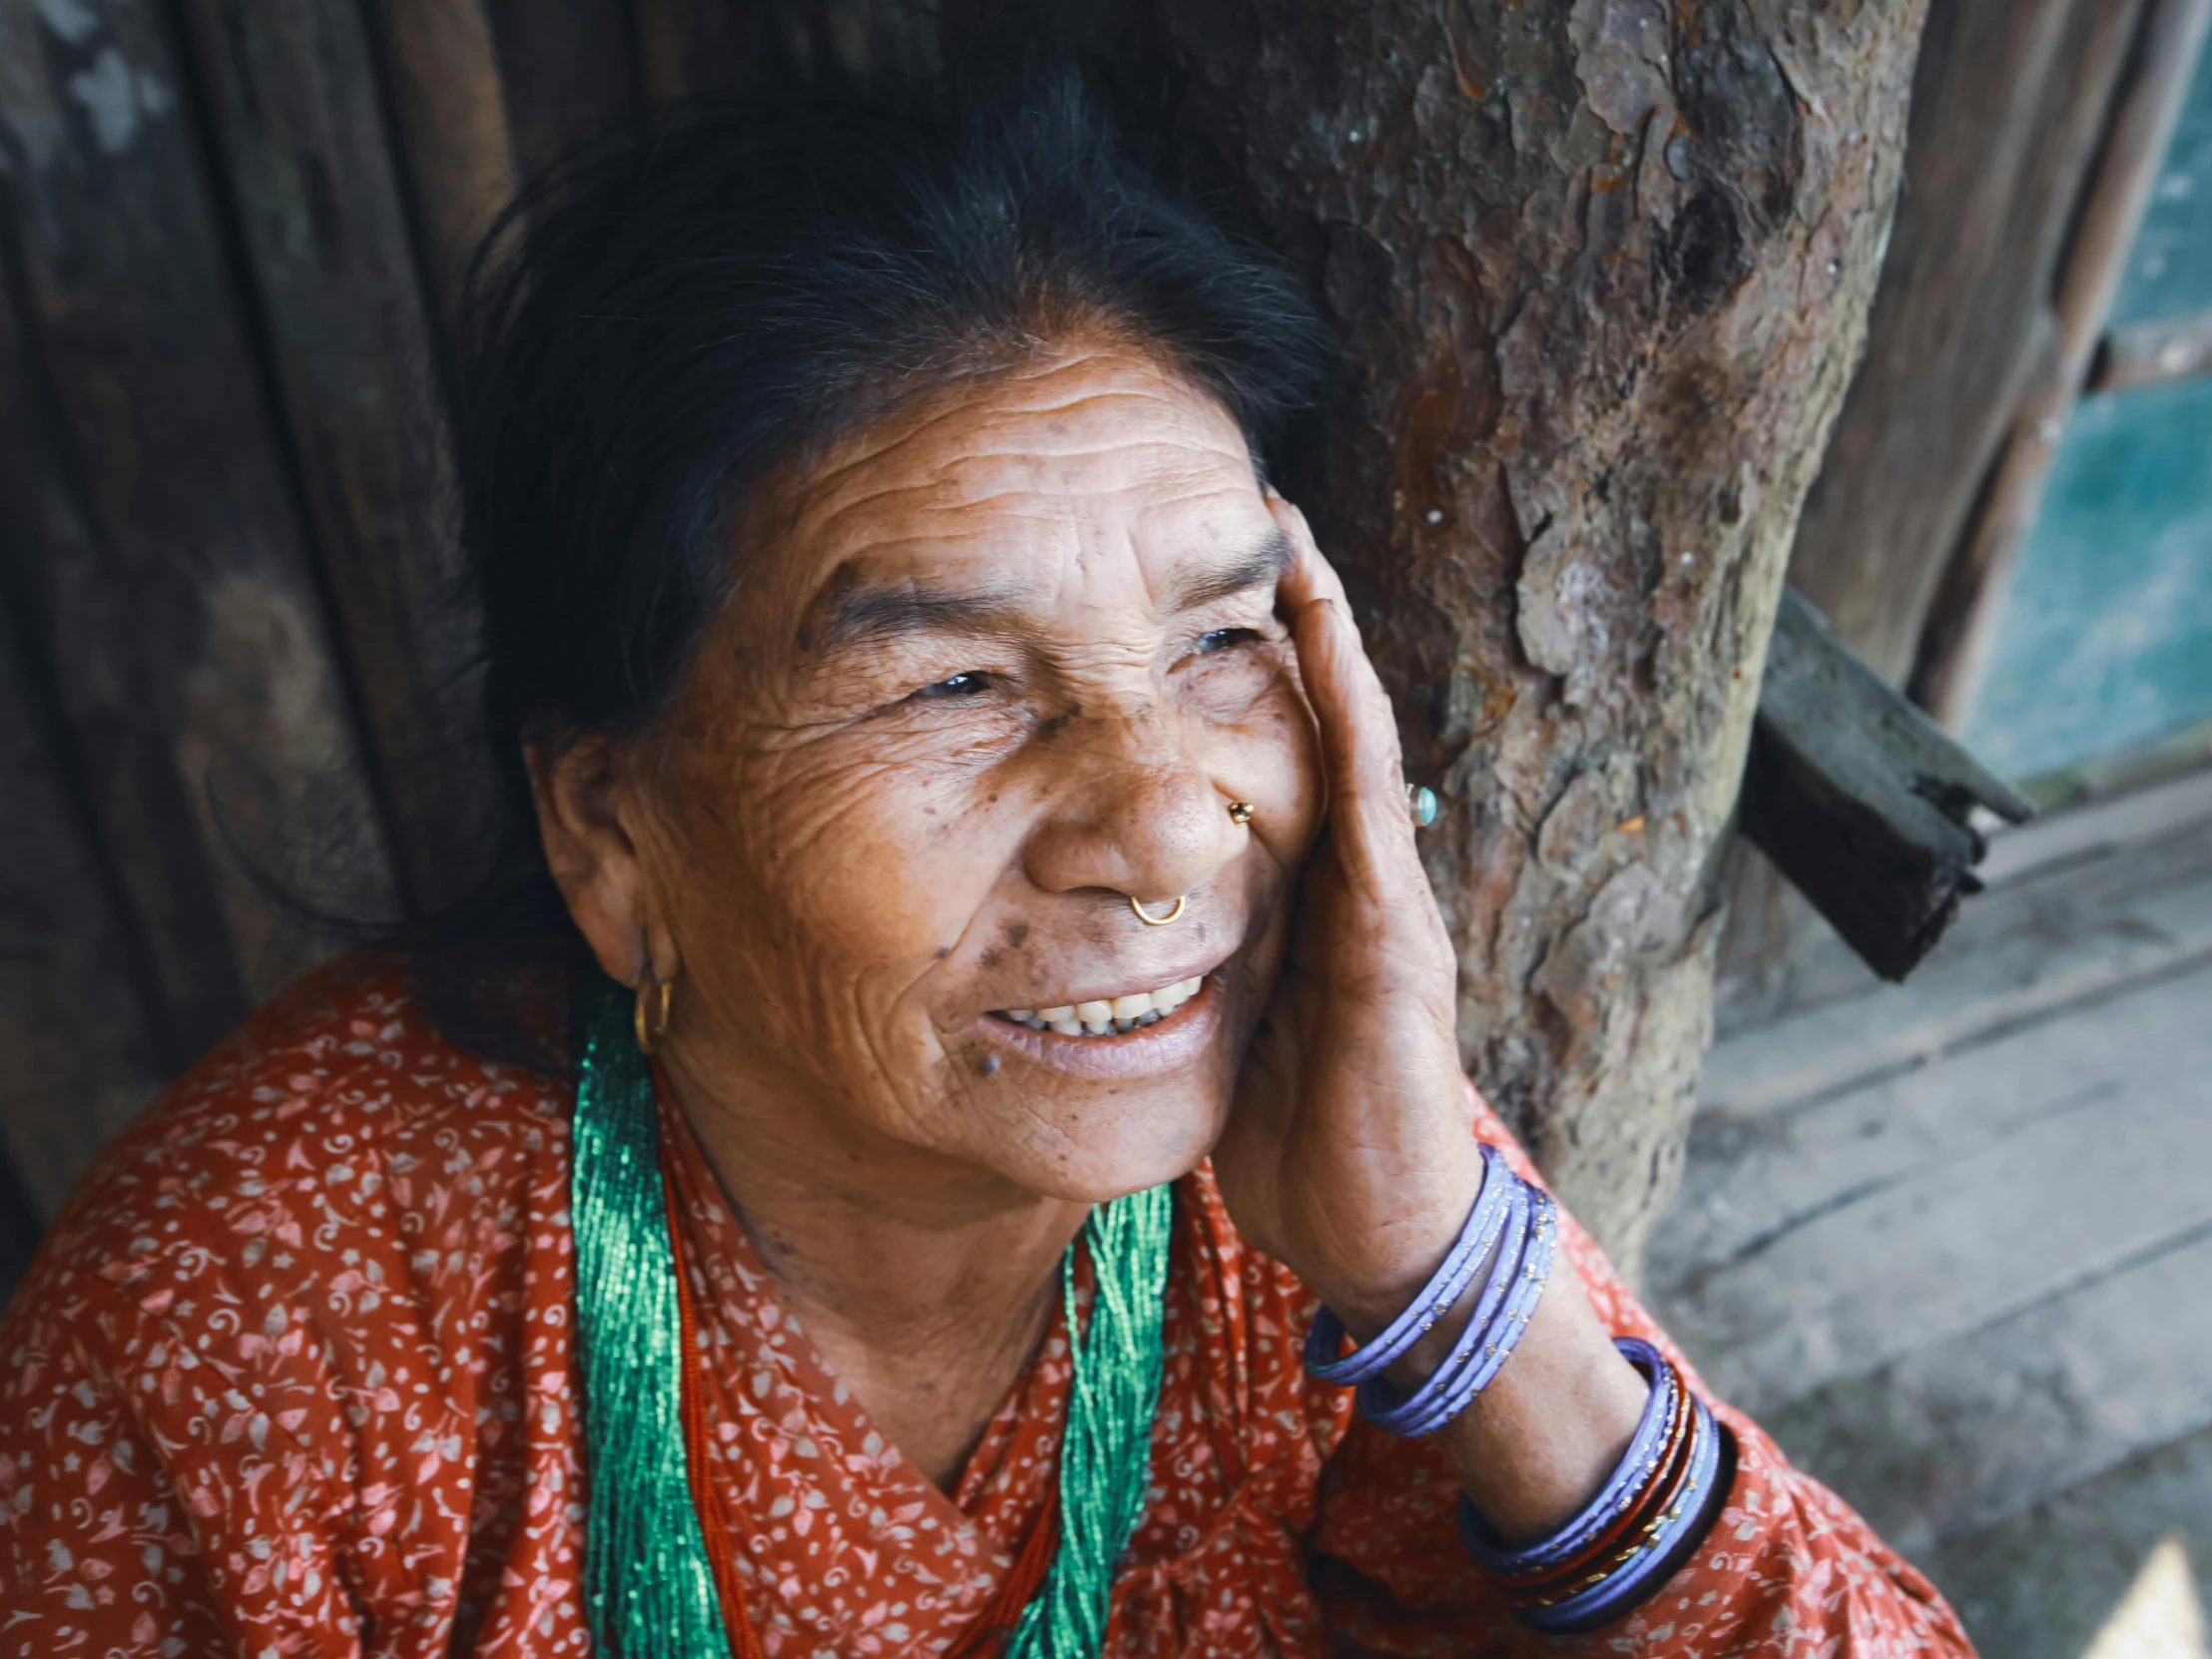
(1601, 269)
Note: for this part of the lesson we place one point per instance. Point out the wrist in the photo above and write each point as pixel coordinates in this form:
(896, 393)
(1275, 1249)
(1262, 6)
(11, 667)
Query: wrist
(1396, 1265)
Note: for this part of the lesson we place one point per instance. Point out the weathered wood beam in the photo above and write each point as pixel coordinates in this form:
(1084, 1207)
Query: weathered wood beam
(568, 71)
(1859, 798)
(163, 560)
(682, 47)
(2153, 354)
(2009, 100)
(81, 1049)
(1961, 630)
(440, 70)
(311, 173)
(90, 1024)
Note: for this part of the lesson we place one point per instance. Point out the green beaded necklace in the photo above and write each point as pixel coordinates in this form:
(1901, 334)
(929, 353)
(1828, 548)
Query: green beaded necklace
(647, 1585)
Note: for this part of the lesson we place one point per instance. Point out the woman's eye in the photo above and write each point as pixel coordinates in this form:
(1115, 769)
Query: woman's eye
(1224, 639)
(957, 685)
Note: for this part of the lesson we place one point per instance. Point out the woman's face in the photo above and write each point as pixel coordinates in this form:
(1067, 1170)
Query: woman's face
(997, 665)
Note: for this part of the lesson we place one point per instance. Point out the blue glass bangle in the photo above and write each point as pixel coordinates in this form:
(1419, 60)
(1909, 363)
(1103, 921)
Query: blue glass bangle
(1638, 1467)
(1452, 1385)
(1529, 1289)
(1477, 1362)
(1646, 1568)
(1377, 1400)
(1325, 1337)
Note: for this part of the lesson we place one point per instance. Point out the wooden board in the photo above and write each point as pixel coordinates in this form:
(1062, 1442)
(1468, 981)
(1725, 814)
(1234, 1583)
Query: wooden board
(310, 164)
(2073, 932)
(2153, 354)
(2111, 825)
(2008, 99)
(78, 1053)
(1960, 633)
(1859, 798)
(1971, 1432)
(2047, 1584)
(2008, 106)
(186, 624)
(566, 69)
(88, 1027)
(1821, 1244)
(449, 112)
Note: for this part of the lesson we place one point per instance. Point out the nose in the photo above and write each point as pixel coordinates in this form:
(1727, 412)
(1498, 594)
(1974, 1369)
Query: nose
(1133, 810)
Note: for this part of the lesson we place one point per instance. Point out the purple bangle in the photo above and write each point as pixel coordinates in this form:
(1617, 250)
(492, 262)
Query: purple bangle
(1377, 1400)
(1326, 1335)
(1528, 1288)
(1450, 1388)
(1651, 1565)
(1643, 1574)
(1629, 1480)
(1446, 1397)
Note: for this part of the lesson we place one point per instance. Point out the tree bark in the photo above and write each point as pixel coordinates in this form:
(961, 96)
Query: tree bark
(1601, 269)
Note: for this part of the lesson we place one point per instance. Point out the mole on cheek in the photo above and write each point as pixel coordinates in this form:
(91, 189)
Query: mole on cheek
(1017, 933)
(988, 1065)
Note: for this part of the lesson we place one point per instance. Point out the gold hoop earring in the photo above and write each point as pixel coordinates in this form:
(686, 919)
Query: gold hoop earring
(1151, 921)
(1240, 812)
(649, 1017)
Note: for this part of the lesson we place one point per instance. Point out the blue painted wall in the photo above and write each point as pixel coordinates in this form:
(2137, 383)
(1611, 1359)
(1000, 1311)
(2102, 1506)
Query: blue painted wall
(2106, 639)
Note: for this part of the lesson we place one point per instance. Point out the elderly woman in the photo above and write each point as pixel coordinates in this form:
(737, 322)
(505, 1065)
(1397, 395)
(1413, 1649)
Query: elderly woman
(989, 1170)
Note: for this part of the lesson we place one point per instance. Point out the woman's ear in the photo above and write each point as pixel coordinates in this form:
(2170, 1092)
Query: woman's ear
(589, 816)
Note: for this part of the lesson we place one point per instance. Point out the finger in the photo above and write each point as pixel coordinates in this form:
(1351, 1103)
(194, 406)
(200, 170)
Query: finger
(1352, 713)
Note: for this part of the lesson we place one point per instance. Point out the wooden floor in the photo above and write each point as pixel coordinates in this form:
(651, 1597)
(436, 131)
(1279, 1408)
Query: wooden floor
(1952, 1241)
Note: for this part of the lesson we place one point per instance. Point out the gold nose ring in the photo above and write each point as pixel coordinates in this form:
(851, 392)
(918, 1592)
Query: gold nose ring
(1240, 812)
(1151, 921)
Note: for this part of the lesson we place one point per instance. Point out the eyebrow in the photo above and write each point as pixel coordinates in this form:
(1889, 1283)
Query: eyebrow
(1262, 567)
(870, 616)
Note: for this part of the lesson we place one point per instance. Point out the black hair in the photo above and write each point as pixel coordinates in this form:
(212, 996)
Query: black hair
(666, 320)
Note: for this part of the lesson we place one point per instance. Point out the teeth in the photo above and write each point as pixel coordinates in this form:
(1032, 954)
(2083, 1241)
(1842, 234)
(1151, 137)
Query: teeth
(1101, 1017)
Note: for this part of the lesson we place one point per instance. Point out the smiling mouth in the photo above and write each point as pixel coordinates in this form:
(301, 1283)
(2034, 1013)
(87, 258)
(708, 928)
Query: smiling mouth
(1107, 1018)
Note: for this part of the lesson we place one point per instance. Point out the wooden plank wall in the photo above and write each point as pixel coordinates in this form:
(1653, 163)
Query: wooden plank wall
(2011, 100)
(230, 238)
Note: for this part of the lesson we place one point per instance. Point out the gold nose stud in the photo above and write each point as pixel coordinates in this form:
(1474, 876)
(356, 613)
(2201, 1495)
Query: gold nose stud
(1151, 921)
(1240, 812)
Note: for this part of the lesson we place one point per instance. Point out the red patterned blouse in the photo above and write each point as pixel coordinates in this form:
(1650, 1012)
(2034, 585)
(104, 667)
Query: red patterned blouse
(295, 1374)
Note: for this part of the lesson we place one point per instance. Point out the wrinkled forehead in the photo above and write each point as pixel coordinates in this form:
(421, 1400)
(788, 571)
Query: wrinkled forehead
(1066, 481)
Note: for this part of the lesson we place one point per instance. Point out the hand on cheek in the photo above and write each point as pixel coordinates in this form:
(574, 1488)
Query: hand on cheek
(1353, 1150)
(1350, 1154)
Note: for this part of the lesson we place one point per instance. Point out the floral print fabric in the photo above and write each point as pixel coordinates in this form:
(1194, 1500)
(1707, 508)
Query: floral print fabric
(294, 1375)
